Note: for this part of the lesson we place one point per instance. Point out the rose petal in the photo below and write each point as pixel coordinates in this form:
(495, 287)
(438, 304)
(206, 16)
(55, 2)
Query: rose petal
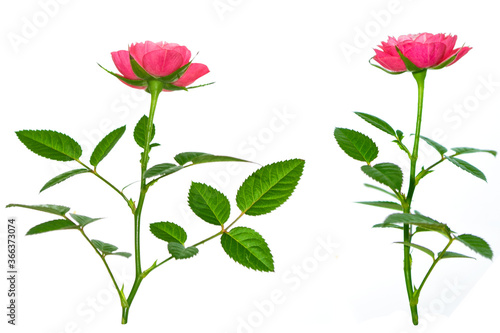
(194, 72)
(449, 41)
(138, 50)
(122, 63)
(392, 63)
(184, 52)
(461, 52)
(162, 62)
(424, 55)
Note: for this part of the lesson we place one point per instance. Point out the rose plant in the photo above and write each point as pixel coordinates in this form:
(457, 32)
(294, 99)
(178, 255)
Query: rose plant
(157, 67)
(416, 54)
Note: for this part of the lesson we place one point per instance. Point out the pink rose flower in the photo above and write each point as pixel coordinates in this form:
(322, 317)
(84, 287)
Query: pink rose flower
(423, 51)
(167, 62)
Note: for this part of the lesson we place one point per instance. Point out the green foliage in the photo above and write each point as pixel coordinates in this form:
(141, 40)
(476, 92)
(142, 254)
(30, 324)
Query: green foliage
(476, 244)
(178, 251)
(163, 169)
(52, 226)
(84, 220)
(50, 144)
(168, 232)
(269, 187)
(418, 247)
(420, 221)
(52, 209)
(449, 254)
(248, 248)
(198, 158)
(467, 167)
(105, 145)
(383, 204)
(385, 173)
(208, 204)
(104, 247)
(466, 150)
(381, 190)
(140, 132)
(109, 249)
(377, 122)
(62, 177)
(356, 145)
(440, 149)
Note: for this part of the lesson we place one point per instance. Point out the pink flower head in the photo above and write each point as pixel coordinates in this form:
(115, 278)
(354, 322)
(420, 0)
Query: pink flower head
(166, 62)
(419, 51)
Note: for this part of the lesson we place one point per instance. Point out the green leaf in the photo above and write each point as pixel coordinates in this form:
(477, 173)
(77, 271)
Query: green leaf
(62, 177)
(50, 144)
(476, 244)
(105, 145)
(399, 135)
(52, 209)
(84, 220)
(186, 157)
(419, 221)
(269, 187)
(356, 145)
(466, 150)
(440, 149)
(208, 158)
(387, 225)
(105, 248)
(51, 226)
(198, 158)
(168, 232)
(248, 248)
(140, 132)
(163, 169)
(178, 251)
(418, 247)
(377, 122)
(208, 204)
(122, 254)
(449, 254)
(467, 167)
(383, 204)
(385, 173)
(380, 189)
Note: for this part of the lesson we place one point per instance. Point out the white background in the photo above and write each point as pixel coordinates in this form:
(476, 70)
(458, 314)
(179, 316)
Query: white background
(287, 73)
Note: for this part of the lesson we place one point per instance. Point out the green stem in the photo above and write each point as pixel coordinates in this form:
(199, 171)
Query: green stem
(155, 88)
(107, 182)
(420, 78)
(434, 263)
(103, 258)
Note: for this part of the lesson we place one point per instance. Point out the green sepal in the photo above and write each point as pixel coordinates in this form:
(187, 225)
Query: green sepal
(138, 70)
(135, 83)
(382, 68)
(410, 66)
